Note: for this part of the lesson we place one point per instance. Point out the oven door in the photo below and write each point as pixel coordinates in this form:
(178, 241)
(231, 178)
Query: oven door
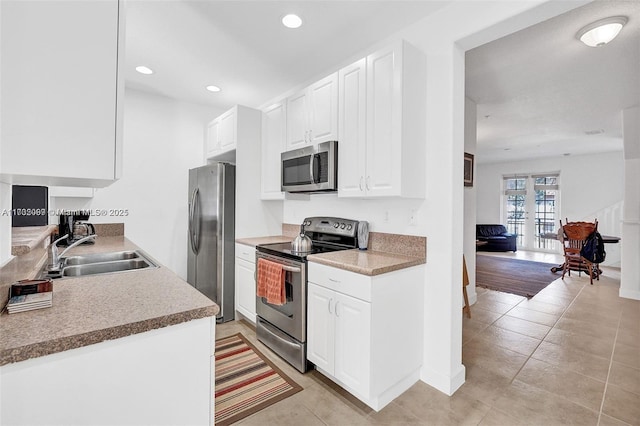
(292, 316)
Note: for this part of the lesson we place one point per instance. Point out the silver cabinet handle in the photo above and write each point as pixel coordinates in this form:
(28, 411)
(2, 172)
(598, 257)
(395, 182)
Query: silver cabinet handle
(336, 308)
(330, 300)
(368, 182)
(361, 179)
(334, 281)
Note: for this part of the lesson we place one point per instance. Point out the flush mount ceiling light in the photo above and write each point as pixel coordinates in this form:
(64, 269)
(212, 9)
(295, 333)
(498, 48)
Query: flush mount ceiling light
(213, 88)
(291, 21)
(144, 70)
(601, 32)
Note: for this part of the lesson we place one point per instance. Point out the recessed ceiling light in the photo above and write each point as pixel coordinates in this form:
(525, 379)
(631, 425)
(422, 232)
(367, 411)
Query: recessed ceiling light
(144, 70)
(601, 32)
(291, 21)
(213, 88)
(566, 154)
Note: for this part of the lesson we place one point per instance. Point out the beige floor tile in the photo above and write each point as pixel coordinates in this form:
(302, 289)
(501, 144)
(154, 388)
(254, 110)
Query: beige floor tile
(610, 421)
(511, 340)
(288, 412)
(575, 387)
(496, 417)
(629, 337)
(587, 328)
(625, 377)
(471, 328)
(482, 315)
(492, 357)
(536, 406)
(630, 323)
(492, 305)
(533, 316)
(536, 305)
(528, 328)
(599, 347)
(331, 407)
(586, 313)
(484, 385)
(552, 299)
(576, 360)
(393, 414)
(622, 405)
(506, 298)
(627, 355)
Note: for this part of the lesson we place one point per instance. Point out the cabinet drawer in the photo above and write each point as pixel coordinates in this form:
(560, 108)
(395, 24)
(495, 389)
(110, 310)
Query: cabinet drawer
(345, 282)
(247, 253)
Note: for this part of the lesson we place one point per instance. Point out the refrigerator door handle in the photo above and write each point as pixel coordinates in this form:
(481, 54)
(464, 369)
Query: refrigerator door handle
(193, 230)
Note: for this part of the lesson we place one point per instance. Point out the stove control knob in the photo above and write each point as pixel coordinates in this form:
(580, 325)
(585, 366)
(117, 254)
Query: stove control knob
(336, 225)
(342, 226)
(349, 227)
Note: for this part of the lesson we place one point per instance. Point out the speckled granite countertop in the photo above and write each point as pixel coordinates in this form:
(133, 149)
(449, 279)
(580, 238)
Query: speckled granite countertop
(264, 240)
(366, 262)
(92, 309)
(25, 238)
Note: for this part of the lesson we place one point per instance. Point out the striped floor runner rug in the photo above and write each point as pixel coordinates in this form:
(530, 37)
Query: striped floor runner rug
(246, 381)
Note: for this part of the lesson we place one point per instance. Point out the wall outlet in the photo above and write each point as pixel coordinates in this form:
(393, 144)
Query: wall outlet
(413, 217)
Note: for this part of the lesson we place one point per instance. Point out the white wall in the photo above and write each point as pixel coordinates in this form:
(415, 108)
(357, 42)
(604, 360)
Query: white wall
(591, 186)
(630, 274)
(162, 140)
(470, 138)
(5, 205)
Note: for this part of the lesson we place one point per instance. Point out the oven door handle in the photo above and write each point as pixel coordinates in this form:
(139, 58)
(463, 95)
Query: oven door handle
(291, 269)
(280, 339)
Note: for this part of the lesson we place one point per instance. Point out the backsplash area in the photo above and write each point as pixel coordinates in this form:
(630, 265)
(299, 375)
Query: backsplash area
(407, 245)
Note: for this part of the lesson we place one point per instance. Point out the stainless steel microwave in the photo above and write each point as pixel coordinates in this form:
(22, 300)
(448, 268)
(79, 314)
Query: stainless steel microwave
(311, 169)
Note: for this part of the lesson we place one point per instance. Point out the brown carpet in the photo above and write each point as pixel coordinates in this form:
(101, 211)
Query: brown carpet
(246, 381)
(521, 277)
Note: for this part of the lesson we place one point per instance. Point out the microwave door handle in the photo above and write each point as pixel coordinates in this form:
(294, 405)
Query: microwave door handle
(316, 170)
(313, 159)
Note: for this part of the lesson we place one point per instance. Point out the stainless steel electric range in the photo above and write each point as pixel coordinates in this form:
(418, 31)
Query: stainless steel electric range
(283, 328)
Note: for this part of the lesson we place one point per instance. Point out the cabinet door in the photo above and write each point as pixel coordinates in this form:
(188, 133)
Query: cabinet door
(323, 110)
(297, 120)
(246, 289)
(60, 89)
(384, 120)
(213, 137)
(274, 134)
(320, 327)
(353, 343)
(228, 130)
(352, 130)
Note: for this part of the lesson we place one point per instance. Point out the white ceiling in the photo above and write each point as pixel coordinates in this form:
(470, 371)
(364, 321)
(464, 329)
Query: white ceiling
(242, 47)
(540, 90)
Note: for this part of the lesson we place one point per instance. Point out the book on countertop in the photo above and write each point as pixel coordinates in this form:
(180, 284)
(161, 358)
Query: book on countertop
(28, 302)
(30, 287)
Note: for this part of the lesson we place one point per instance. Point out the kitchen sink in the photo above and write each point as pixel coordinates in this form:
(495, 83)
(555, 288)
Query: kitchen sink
(104, 267)
(100, 257)
(102, 263)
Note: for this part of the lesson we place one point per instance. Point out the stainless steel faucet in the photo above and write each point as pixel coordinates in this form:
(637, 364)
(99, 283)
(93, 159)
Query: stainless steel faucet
(54, 258)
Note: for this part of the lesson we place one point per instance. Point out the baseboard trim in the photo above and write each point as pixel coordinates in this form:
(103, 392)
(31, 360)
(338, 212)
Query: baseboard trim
(629, 294)
(444, 383)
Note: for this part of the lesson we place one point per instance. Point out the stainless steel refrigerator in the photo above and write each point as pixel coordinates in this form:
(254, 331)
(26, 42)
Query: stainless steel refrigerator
(211, 245)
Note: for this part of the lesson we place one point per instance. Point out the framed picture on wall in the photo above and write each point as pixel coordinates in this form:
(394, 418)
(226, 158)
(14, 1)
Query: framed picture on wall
(468, 169)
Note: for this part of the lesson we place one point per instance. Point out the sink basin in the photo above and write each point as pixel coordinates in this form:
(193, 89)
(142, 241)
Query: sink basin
(102, 263)
(105, 267)
(101, 257)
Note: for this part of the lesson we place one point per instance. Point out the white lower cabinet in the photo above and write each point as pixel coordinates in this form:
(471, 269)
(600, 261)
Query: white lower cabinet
(245, 281)
(365, 332)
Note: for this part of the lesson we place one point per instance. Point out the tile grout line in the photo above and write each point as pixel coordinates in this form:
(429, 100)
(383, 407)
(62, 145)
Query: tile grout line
(606, 383)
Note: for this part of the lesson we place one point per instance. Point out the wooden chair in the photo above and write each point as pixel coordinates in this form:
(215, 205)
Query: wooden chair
(575, 233)
(465, 282)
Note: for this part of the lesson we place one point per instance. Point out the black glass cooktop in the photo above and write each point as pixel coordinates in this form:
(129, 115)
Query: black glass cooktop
(284, 249)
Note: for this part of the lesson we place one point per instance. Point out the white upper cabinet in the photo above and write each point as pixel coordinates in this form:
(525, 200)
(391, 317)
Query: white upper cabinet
(224, 132)
(62, 92)
(382, 111)
(274, 133)
(312, 114)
